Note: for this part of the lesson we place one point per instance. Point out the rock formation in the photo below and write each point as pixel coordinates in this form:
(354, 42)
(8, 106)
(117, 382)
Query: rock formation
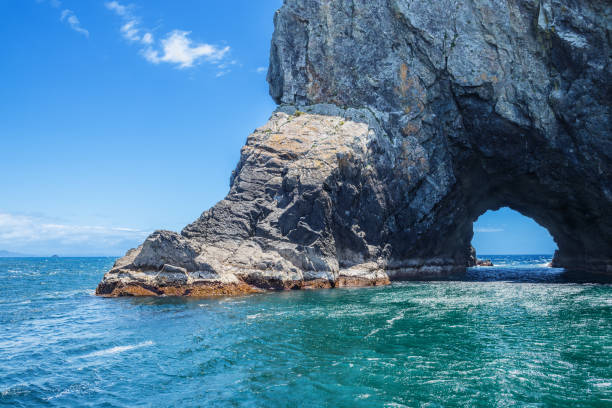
(399, 123)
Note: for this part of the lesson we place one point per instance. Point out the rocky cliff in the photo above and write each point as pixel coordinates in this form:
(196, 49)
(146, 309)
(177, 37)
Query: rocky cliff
(399, 123)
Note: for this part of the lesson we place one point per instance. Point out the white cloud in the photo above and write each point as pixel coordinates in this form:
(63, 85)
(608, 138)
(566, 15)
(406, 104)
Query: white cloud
(74, 23)
(175, 48)
(117, 8)
(261, 70)
(130, 31)
(486, 229)
(28, 234)
(147, 38)
(67, 16)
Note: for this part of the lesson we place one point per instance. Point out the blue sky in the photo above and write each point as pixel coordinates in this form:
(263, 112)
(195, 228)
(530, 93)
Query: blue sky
(119, 118)
(506, 231)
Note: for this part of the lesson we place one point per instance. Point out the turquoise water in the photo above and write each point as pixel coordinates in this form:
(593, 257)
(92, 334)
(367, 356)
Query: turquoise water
(514, 335)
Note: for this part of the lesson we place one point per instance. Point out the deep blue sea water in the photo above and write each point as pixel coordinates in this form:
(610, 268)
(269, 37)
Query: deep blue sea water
(518, 334)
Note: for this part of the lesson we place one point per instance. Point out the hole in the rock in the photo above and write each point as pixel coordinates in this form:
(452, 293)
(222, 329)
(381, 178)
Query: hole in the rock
(507, 237)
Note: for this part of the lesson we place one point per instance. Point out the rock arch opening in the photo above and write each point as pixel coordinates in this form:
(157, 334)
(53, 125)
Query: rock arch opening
(505, 232)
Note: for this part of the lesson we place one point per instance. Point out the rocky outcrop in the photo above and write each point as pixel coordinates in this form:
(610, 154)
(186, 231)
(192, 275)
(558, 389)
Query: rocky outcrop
(474, 261)
(276, 228)
(399, 123)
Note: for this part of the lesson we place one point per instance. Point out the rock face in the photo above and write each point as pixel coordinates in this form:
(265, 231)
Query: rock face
(474, 261)
(399, 123)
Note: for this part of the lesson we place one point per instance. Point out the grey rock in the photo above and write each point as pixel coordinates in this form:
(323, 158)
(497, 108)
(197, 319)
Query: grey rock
(508, 103)
(399, 123)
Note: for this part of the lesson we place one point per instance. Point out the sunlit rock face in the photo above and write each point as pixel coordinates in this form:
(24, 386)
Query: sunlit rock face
(399, 123)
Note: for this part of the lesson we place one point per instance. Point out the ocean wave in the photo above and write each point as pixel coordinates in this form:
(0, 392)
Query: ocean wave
(74, 389)
(389, 324)
(19, 389)
(118, 349)
(603, 385)
(11, 302)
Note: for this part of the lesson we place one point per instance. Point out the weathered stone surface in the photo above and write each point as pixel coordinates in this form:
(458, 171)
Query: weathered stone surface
(400, 122)
(508, 102)
(275, 230)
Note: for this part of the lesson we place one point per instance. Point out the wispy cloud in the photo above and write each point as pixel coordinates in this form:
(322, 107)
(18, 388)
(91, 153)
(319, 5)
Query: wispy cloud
(74, 23)
(27, 233)
(117, 8)
(225, 67)
(261, 70)
(67, 16)
(131, 29)
(486, 229)
(176, 47)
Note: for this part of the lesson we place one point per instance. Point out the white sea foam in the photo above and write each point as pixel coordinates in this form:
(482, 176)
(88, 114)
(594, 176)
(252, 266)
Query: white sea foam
(73, 389)
(118, 349)
(603, 384)
(398, 317)
(389, 325)
(373, 332)
(19, 389)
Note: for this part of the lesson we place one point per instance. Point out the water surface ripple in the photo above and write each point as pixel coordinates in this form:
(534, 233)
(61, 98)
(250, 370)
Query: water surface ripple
(515, 335)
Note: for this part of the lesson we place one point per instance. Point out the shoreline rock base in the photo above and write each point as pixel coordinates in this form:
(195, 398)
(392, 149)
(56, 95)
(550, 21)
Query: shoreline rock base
(126, 283)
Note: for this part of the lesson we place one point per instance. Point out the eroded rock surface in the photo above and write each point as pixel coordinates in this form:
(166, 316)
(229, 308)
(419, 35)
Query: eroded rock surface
(399, 123)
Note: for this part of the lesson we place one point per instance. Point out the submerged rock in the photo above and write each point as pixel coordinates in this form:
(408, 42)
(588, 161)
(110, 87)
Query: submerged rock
(399, 123)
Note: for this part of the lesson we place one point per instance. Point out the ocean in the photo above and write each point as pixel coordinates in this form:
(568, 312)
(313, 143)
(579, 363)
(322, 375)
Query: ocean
(517, 334)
